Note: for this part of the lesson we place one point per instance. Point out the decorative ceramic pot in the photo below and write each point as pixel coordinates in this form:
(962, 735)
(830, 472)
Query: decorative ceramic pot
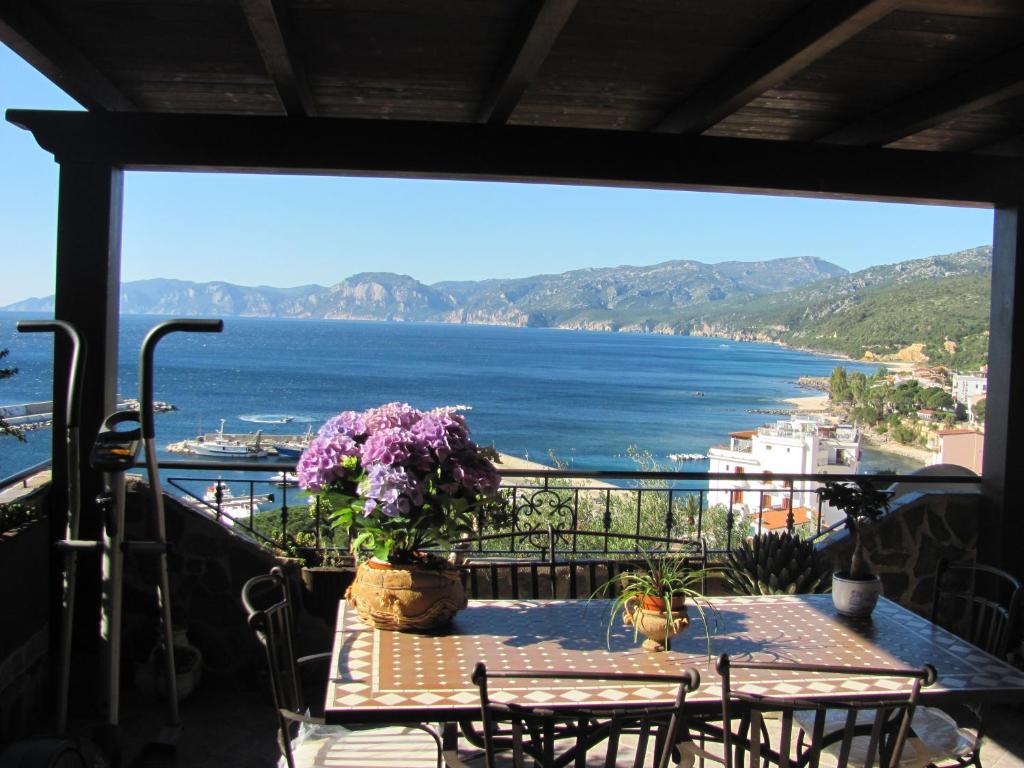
(406, 597)
(855, 597)
(653, 623)
(151, 676)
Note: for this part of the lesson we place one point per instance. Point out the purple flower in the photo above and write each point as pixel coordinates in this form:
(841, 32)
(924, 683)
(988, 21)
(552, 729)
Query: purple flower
(387, 446)
(347, 423)
(392, 489)
(322, 461)
(400, 415)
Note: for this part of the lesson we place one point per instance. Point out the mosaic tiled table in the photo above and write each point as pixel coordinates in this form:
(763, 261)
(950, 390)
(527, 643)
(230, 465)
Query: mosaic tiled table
(404, 677)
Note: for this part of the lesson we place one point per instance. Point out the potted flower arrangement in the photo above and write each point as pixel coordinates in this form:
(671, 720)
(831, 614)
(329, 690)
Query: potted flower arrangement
(653, 600)
(856, 591)
(399, 482)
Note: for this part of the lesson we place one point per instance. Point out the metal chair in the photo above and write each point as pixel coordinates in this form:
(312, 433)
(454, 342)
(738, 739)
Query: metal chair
(864, 730)
(518, 733)
(984, 606)
(304, 739)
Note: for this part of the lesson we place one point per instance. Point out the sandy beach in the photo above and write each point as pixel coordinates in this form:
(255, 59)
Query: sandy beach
(810, 403)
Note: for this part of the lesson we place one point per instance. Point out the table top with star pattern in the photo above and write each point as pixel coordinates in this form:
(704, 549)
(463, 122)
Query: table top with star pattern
(415, 677)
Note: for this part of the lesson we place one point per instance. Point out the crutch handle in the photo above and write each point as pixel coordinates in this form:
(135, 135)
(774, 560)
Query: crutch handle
(77, 369)
(146, 361)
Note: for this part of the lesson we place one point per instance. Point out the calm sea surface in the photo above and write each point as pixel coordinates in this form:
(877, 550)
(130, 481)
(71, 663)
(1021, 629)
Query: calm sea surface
(584, 396)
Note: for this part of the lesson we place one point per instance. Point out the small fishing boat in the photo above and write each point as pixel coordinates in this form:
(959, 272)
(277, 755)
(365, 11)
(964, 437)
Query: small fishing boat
(294, 448)
(225, 448)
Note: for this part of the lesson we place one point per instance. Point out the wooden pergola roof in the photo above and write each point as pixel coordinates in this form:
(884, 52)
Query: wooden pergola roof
(936, 75)
(889, 99)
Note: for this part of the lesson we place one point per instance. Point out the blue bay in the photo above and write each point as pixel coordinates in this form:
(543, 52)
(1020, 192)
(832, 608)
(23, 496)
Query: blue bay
(585, 396)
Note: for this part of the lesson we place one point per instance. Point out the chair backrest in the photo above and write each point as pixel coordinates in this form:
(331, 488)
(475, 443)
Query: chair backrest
(559, 575)
(543, 736)
(267, 602)
(884, 720)
(979, 603)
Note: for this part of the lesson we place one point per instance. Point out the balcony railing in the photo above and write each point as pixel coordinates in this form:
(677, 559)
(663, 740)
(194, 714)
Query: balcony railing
(554, 514)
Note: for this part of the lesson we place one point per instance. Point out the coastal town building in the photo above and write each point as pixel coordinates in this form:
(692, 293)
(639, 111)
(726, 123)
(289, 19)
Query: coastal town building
(803, 444)
(969, 389)
(964, 447)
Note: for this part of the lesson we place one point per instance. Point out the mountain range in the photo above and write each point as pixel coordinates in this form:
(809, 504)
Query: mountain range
(933, 308)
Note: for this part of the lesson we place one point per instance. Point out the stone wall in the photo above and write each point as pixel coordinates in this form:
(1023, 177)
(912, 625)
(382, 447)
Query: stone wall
(905, 547)
(208, 564)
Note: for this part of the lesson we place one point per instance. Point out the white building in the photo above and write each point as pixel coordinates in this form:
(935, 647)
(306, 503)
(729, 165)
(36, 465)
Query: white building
(969, 388)
(802, 445)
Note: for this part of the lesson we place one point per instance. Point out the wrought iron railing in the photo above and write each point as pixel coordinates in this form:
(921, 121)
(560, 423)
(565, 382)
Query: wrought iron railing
(555, 513)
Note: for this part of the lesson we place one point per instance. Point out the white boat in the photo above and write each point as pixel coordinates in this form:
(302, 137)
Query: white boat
(231, 505)
(224, 448)
(285, 479)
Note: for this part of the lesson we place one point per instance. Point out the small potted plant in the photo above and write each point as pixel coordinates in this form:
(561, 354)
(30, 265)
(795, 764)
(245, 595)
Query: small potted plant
(856, 591)
(653, 600)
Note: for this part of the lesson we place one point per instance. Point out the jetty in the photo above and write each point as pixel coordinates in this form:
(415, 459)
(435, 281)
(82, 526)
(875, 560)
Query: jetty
(40, 415)
(267, 442)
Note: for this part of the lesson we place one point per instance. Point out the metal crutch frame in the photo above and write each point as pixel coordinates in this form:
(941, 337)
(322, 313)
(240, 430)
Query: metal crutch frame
(74, 511)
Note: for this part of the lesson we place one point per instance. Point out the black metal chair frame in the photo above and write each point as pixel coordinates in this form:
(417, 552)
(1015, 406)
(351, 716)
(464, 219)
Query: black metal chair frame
(553, 737)
(892, 716)
(274, 626)
(992, 624)
(482, 570)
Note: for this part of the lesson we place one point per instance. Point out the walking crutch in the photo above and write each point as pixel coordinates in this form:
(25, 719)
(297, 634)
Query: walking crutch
(74, 512)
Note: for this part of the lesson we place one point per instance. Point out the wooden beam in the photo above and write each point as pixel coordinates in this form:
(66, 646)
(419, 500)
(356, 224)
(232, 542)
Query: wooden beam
(268, 21)
(518, 153)
(88, 296)
(817, 29)
(31, 36)
(524, 59)
(996, 80)
(1004, 408)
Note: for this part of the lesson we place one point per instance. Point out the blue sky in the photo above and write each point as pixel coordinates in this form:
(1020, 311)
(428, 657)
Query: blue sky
(290, 230)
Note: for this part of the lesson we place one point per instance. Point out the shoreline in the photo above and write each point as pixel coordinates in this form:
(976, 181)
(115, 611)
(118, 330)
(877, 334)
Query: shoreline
(819, 404)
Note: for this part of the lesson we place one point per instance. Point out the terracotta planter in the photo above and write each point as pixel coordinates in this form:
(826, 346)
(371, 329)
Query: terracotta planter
(653, 603)
(855, 597)
(406, 597)
(654, 625)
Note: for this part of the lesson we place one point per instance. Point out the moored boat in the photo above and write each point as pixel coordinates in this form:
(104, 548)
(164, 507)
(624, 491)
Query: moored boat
(226, 448)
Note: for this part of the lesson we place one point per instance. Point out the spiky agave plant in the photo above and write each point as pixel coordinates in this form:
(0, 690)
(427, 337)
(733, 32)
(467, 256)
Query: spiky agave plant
(775, 563)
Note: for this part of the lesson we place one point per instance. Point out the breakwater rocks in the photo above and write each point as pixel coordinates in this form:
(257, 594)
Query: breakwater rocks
(772, 411)
(819, 383)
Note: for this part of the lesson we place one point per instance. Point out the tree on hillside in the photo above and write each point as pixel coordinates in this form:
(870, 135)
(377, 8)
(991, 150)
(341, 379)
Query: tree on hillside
(979, 411)
(937, 399)
(5, 428)
(839, 387)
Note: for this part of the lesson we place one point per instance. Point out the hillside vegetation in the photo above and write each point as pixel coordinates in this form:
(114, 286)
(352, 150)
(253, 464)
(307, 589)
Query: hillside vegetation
(933, 309)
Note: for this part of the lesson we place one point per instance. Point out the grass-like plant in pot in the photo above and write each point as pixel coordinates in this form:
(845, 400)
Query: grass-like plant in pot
(654, 599)
(856, 591)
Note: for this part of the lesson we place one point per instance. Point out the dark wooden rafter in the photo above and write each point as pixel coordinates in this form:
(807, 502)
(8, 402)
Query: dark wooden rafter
(391, 148)
(994, 81)
(268, 21)
(523, 59)
(818, 28)
(36, 40)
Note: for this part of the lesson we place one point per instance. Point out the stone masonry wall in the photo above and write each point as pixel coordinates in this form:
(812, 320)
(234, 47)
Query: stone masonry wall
(905, 547)
(207, 566)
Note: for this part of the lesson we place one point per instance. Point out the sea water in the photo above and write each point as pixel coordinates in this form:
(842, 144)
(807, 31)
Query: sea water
(583, 397)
